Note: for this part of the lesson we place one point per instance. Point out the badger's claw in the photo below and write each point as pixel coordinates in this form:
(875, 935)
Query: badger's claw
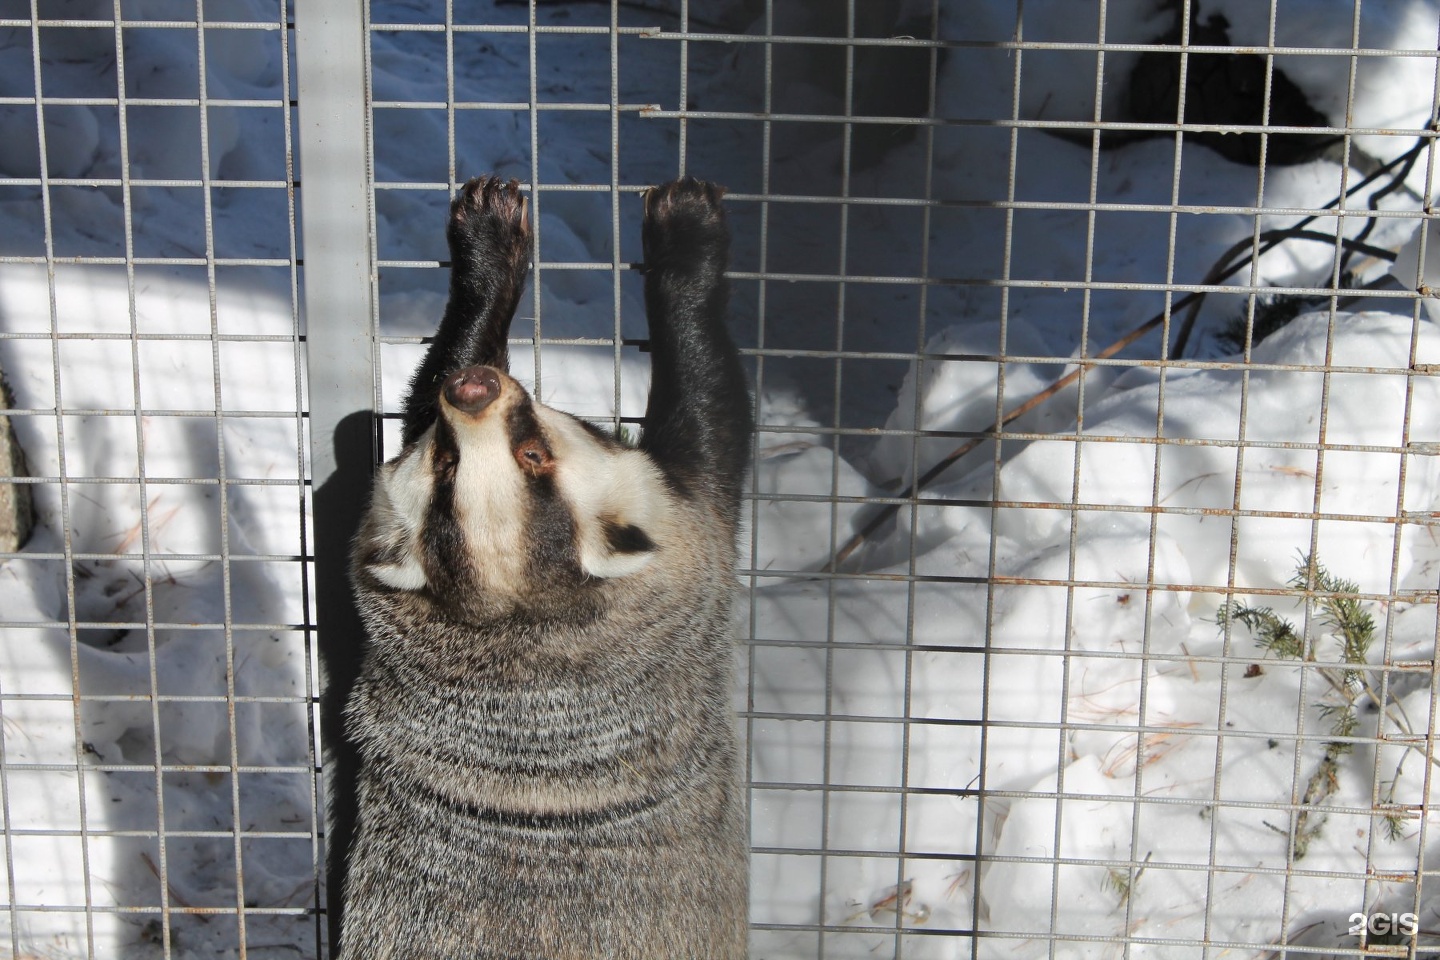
(490, 222)
(685, 225)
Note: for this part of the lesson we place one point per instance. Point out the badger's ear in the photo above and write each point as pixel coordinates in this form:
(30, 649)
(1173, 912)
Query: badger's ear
(397, 509)
(617, 549)
(405, 574)
(616, 495)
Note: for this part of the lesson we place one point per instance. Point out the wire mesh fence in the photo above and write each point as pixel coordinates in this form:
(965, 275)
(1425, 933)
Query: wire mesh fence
(157, 691)
(1088, 591)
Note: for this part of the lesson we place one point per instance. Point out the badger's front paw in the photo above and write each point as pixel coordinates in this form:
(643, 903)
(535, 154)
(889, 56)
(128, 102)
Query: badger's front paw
(685, 226)
(489, 223)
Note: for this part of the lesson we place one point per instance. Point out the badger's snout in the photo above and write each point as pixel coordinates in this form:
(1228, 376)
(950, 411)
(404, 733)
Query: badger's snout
(472, 389)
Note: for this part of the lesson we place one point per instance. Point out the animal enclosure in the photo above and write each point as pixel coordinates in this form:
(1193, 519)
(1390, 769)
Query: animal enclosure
(1087, 600)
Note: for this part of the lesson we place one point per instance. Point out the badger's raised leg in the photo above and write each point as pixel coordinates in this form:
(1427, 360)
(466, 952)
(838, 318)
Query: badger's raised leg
(489, 236)
(697, 422)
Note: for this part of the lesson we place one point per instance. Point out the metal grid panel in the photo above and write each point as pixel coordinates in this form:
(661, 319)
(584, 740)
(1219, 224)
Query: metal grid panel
(1006, 474)
(159, 763)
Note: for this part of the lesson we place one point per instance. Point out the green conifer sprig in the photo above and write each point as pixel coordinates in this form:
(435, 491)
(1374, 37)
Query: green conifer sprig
(1344, 618)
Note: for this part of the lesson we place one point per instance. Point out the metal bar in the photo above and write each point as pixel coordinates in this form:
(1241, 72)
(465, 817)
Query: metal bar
(332, 87)
(330, 84)
(1006, 272)
(903, 846)
(1020, 44)
(533, 106)
(752, 581)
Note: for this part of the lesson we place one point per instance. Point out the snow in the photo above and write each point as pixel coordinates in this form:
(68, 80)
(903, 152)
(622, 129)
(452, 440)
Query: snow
(1102, 630)
(1393, 92)
(1043, 623)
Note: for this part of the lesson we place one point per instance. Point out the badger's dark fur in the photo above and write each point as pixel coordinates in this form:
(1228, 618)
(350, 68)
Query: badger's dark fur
(549, 764)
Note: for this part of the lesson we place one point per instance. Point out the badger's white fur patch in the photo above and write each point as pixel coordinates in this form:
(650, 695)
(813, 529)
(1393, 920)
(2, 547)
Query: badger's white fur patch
(490, 493)
(606, 485)
(402, 495)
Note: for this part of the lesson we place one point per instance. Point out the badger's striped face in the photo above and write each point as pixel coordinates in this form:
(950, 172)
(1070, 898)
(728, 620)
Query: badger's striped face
(511, 497)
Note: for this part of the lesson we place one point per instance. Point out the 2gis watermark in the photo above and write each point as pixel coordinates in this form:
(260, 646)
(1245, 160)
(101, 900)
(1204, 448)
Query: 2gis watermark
(1383, 924)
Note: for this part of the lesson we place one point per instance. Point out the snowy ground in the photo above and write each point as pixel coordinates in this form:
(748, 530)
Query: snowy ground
(1046, 627)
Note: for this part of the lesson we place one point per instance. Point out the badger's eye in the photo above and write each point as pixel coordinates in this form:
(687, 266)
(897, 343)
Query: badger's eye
(532, 455)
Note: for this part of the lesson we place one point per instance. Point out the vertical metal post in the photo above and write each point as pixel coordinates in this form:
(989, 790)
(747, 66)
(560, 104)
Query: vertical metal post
(338, 250)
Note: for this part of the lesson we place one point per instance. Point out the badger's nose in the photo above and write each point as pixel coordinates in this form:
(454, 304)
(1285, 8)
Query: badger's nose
(472, 389)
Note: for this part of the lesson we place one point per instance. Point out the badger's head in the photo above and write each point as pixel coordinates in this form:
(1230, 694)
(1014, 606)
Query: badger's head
(503, 500)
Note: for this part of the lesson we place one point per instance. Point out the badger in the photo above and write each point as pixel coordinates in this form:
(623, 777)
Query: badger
(548, 757)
